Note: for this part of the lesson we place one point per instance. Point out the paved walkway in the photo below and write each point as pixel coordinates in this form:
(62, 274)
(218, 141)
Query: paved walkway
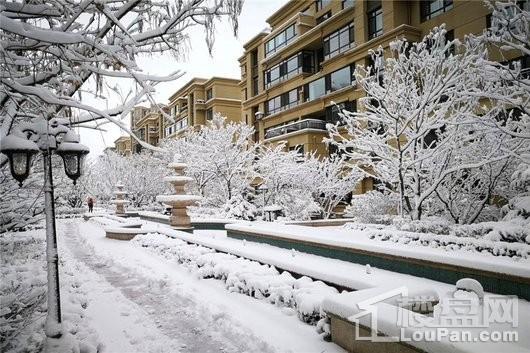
(167, 301)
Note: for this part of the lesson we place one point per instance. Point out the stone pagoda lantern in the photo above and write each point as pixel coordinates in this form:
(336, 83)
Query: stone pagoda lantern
(120, 202)
(179, 202)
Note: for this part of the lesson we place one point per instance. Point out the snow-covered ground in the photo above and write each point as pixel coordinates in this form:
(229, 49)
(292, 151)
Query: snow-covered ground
(128, 299)
(158, 294)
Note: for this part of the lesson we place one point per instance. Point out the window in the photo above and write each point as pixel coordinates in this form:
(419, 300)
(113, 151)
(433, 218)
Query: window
(375, 19)
(347, 3)
(333, 112)
(322, 4)
(280, 40)
(339, 41)
(432, 8)
(329, 83)
(301, 62)
(340, 78)
(254, 57)
(254, 85)
(323, 17)
(282, 102)
(315, 89)
(209, 114)
(209, 94)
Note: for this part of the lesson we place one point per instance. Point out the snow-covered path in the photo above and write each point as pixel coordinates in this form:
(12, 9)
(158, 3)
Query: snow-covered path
(141, 303)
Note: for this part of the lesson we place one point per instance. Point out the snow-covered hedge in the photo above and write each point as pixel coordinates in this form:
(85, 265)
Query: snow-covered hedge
(451, 242)
(429, 225)
(244, 276)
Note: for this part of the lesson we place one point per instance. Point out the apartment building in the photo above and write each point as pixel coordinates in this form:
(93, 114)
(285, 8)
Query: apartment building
(292, 75)
(198, 100)
(122, 145)
(147, 125)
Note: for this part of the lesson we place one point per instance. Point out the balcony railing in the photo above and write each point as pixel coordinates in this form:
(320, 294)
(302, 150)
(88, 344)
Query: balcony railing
(296, 126)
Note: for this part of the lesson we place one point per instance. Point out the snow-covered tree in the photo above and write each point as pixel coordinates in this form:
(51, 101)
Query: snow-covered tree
(52, 51)
(330, 180)
(142, 175)
(220, 158)
(415, 128)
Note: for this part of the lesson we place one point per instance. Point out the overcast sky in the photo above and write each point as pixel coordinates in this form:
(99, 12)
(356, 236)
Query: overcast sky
(223, 62)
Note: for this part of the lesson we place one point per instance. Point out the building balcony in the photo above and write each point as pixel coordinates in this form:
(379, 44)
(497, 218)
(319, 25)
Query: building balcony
(306, 124)
(153, 130)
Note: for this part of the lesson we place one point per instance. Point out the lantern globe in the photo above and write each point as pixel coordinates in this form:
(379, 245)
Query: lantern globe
(73, 155)
(20, 153)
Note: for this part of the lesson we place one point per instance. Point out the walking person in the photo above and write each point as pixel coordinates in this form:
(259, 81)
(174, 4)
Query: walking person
(90, 203)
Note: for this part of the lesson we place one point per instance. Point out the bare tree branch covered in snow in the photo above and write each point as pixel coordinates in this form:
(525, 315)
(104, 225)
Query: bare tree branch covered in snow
(53, 51)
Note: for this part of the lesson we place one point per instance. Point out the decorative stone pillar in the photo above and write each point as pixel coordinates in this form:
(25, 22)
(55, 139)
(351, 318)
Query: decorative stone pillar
(120, 202)
(179, 202)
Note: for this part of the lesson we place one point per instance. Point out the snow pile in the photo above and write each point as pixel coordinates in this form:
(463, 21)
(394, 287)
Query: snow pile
(23, 299)
(244, 276)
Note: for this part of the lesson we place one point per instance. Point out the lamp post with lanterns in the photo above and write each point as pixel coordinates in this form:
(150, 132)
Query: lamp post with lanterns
(21, 146)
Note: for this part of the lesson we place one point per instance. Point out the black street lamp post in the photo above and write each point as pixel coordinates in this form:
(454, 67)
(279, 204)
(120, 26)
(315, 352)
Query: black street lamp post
(21, 146)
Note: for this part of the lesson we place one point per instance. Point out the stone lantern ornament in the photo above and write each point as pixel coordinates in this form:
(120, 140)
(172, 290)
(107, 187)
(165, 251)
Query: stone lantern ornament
(179, 202)
(120, 201)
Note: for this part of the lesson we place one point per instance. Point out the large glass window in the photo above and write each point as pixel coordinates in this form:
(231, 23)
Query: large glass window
(433, 8)
(282, 102)
(375, 19)
(280, 40)
(340, 78)
(329, 83)
(209, 114)
(339, 41)
(209, 94)
(316, 89)
(301, 62)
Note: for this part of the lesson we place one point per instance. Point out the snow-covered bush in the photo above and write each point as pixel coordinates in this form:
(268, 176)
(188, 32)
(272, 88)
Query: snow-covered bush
(433, 225)
(370, 206)
(239, 208)
(263, 282)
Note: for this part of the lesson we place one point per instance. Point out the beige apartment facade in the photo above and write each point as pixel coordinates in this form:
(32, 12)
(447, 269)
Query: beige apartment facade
(199, 100)
(292, 76)
(122, 145)
(147, 125)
